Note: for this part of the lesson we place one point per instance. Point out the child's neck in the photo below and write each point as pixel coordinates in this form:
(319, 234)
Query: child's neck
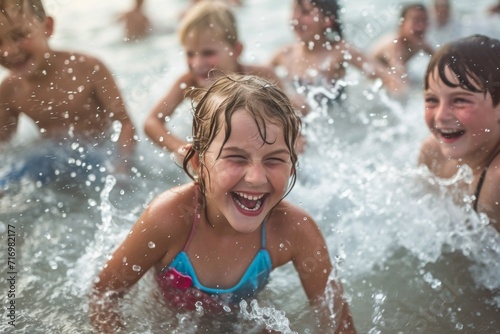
(45, 69)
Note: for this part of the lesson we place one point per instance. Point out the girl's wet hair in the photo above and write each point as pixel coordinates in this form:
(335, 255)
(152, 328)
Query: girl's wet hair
(406, 8)
(35, 6)
(214, 16)
(330, 9)
(215, 106)
(475, 62)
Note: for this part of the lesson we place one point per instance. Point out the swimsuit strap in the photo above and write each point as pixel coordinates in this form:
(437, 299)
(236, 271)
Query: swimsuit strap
(481, 180)
(196, 218)
(479, 186)
(263, 233)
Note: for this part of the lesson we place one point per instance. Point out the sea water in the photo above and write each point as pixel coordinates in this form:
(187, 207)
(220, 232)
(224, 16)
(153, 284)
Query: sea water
(411, 253)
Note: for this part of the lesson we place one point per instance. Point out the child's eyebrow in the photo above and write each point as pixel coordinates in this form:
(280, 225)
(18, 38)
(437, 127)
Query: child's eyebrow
(465, 92)
(242, 151)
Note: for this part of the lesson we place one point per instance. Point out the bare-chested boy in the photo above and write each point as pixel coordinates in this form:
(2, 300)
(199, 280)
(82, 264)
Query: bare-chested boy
(69, 96)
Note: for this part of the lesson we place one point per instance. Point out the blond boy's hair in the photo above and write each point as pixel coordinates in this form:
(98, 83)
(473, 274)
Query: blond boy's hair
(35, 6)
(214, 16)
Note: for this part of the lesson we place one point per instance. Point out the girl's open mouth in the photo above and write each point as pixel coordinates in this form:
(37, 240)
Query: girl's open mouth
(450, 134)
(247, 202)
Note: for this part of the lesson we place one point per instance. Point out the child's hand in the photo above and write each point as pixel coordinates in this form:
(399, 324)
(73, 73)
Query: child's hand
(137, 24)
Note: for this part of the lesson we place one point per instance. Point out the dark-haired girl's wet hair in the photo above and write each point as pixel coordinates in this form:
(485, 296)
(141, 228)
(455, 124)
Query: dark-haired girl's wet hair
(475, 62)
(215, 106)
(406, 8)
(328, 8)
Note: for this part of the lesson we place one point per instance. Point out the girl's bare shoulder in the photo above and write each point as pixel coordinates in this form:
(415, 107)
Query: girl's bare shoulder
(172, 207)
(494, 170)
(431, 156)
(291, 220)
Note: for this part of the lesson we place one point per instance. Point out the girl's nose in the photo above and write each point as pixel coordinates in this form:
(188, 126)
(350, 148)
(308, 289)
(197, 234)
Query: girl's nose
(256, 174)
(195, 61)
(444, 112)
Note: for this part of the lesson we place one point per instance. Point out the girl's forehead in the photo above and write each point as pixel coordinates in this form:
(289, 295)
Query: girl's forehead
(205, 36)
(437, 82)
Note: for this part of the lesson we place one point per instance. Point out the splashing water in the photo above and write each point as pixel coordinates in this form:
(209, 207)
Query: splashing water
(273, 319)
(411, 253)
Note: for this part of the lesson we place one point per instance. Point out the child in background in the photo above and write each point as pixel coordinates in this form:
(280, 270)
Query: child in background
(209, 35)
(137, 24)
(320, 55)
(462, 110)
(494, 9)
(218, 238)
(70, 97)
(395, 50)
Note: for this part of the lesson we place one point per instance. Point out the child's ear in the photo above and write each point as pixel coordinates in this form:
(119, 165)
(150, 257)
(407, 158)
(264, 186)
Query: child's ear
(327, 22)
(194, 163)
(49, 26)
(238, 49)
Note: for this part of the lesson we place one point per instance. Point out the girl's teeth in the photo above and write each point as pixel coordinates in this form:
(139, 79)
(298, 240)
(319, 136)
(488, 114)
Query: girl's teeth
(257, 206)
(250, 197)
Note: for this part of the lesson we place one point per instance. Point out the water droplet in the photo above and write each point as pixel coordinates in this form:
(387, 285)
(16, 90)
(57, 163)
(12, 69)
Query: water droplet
(135, 267)
(53, 264)
(151, 244)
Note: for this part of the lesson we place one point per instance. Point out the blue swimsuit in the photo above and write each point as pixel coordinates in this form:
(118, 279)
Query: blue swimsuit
(180, 275)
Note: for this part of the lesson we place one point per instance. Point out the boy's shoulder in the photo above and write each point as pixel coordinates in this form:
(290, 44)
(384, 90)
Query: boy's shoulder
(79, 60)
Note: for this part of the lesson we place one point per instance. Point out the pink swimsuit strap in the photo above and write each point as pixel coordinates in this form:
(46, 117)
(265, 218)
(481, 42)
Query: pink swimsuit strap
(196, 218)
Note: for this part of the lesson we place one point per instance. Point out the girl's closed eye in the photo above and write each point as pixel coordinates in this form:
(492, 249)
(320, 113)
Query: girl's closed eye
(431, 100)
(277, 160)
(208, 53)
(460, 101)
(235, 158)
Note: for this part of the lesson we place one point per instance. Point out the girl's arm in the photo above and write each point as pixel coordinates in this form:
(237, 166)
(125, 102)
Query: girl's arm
(155, 127)
(372, 69)
(157, 226)
(312, 262)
